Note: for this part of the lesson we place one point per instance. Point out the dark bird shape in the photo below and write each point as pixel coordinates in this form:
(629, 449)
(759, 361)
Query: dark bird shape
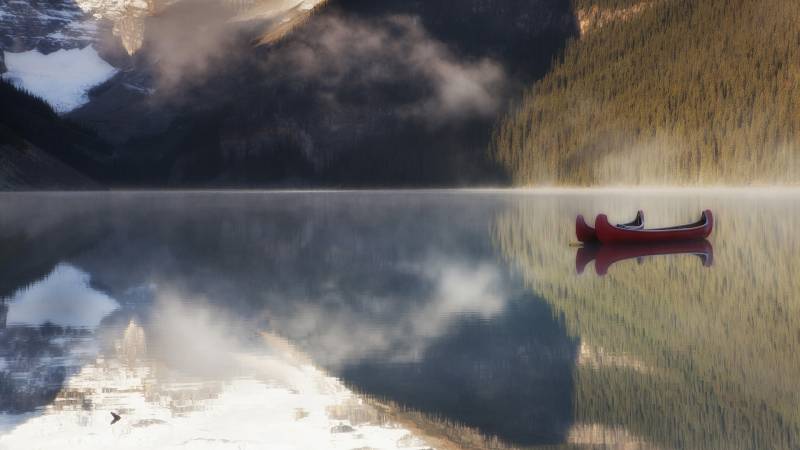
(116, 418)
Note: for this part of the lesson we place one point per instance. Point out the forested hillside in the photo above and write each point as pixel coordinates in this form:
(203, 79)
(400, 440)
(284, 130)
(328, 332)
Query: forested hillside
(664, 92)
(39, 149)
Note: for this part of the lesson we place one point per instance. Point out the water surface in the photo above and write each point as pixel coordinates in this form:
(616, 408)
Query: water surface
(395, 319)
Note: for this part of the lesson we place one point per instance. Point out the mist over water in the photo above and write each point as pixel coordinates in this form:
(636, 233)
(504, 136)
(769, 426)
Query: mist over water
(390, 319)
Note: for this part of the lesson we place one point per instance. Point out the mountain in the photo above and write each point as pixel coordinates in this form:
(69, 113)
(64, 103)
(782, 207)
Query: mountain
(291, 92)
(259, 93)
(59, 49)
(52, 25)
(664, 92)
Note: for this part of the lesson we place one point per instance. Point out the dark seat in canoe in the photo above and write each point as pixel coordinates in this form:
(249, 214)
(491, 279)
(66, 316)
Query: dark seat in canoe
(586, 234)
(615, 234)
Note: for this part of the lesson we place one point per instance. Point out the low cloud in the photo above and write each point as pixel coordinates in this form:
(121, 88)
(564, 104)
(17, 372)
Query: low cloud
(394, 58)
(189, 40)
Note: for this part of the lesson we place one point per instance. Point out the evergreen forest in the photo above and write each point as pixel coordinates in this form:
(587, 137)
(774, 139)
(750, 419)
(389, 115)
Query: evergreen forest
(664, 92)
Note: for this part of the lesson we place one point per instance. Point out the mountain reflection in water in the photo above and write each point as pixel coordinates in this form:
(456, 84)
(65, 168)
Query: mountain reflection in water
(384, 320)
(217, 392)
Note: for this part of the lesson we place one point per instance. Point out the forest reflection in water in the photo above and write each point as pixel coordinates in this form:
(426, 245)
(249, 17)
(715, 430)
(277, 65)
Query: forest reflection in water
(454, 319)
(711, 352)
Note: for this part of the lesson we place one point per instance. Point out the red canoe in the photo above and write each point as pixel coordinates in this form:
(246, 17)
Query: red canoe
(604, 256)
(615, 234)
(586, 234)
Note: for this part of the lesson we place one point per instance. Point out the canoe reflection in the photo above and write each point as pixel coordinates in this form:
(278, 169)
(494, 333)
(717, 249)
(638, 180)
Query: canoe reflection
(604, 256)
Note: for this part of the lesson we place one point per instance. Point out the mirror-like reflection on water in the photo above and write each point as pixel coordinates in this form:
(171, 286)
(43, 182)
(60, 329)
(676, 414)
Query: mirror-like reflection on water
(386, 320)
(604, 256)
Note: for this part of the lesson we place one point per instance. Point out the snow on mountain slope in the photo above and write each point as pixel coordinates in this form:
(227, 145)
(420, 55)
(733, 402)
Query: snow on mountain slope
(62, 78)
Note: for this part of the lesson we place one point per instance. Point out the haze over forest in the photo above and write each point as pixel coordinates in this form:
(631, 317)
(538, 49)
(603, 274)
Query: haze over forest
(358, 93)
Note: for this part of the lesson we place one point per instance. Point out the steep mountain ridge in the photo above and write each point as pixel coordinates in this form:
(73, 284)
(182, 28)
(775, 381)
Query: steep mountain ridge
(50, 25)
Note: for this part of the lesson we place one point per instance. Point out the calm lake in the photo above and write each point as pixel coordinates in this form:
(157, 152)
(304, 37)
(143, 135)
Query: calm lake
(355, 320)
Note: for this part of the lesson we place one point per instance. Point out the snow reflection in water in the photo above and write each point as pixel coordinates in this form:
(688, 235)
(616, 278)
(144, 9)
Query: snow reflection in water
(186, 381)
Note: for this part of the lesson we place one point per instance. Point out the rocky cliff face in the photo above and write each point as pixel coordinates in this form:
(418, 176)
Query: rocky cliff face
(113, 27)
(50, 25)
(46, 26)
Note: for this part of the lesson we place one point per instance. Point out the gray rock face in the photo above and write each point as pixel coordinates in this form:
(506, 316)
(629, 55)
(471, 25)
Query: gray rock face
(45, 25)
(51, 25)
